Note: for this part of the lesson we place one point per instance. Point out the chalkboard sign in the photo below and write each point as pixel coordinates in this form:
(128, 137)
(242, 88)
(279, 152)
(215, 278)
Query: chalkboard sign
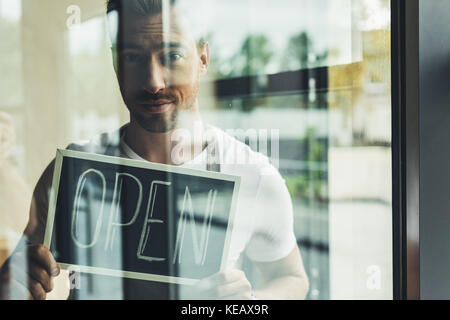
(136, 219)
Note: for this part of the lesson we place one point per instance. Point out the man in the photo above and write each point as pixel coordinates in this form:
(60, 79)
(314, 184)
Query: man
(159, 65)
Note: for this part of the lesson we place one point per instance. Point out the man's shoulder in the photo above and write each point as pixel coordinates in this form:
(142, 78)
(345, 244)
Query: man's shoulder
(237, 154)
(104, 143)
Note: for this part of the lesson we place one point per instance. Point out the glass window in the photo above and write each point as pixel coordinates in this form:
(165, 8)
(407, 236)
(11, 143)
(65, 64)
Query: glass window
(267, 125)
(11, 51)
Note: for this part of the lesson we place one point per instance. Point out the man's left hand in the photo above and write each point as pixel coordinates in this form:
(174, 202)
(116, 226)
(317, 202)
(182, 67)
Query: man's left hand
(225, 285)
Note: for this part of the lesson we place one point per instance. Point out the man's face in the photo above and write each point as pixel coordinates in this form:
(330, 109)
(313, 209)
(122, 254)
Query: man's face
(158, 73)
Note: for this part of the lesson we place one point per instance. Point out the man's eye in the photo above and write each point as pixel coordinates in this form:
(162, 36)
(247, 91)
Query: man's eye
(130, 57)
(173, 57)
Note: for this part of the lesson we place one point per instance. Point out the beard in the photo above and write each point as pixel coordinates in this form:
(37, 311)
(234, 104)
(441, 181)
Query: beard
(158, 123)
(165, 122)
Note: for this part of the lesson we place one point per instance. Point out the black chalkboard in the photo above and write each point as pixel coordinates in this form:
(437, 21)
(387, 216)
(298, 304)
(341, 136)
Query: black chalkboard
(136, 219)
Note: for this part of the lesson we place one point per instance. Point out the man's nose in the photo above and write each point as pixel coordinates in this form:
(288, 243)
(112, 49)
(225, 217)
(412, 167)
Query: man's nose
(155, 77)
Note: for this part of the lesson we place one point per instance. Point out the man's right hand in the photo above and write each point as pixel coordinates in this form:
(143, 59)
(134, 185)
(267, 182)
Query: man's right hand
(28, 274)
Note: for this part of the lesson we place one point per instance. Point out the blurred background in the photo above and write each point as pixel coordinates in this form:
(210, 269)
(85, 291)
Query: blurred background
(318, 71)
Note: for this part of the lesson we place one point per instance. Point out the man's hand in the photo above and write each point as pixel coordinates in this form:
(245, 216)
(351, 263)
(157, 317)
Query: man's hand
(225, 285)
(28, 274)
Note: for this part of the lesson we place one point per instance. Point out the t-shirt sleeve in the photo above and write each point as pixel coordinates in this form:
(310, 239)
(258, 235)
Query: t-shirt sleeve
(273, 236)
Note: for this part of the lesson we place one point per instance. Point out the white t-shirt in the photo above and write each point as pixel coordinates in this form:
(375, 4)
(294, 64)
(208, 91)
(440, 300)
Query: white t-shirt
(263, 225)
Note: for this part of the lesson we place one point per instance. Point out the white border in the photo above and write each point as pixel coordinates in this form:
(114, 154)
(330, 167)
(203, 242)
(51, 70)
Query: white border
(61, 154)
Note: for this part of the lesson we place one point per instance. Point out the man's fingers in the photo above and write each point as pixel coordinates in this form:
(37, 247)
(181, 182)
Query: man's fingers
(235, 288)
(22, 270)
(44, 257)
(234, 291)
(224, 285)
(37, 291)
(41, 275)
(30, 273)
(221, 278)
(239, 296)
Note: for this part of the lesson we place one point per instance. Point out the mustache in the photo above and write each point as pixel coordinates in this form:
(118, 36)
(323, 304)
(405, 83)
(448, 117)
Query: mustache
(148, 97)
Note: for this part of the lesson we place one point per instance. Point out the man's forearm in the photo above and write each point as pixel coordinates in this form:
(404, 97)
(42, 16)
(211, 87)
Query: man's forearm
(285, 288)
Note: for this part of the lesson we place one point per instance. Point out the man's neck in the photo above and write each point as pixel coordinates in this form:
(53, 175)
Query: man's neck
(160, 147)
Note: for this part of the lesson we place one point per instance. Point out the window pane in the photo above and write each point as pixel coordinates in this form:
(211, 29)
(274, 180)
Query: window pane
(10, 51)
(290, 98)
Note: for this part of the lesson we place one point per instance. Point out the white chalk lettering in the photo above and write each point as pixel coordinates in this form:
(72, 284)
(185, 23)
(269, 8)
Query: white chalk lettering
(115, 208)
(200, 226)
(199, 249)
(75, 212)
(149, 220)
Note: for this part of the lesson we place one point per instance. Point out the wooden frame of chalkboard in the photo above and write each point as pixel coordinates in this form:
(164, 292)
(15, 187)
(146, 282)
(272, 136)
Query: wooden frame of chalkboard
(62, 155)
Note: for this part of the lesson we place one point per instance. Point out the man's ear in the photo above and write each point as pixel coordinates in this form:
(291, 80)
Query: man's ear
(204, 58)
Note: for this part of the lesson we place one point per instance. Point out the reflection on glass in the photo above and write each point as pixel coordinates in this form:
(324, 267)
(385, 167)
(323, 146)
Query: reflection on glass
(10, 50)
(306, 83)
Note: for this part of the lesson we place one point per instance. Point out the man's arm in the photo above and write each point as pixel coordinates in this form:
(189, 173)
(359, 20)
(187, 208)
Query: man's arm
(273, 246)
(30, 271)
(284, 279)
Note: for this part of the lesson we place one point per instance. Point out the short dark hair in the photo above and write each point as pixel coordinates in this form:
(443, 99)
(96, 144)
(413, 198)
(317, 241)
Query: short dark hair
(143, 8)
(139, 7)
